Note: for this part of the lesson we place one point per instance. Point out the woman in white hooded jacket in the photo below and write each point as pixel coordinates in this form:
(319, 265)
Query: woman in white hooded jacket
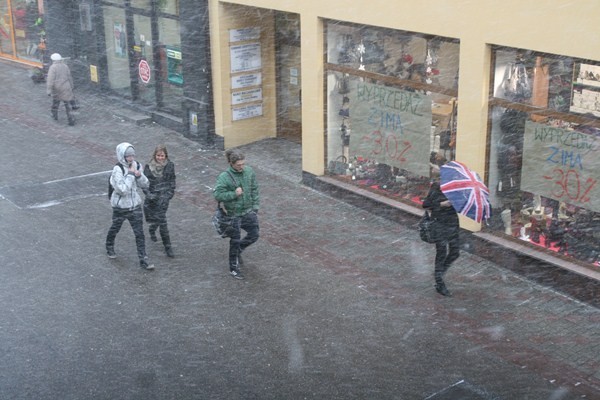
(126, 203)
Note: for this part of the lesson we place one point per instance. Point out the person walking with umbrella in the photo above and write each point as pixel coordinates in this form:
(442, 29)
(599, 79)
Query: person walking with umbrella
(447, 245)
(460, 190)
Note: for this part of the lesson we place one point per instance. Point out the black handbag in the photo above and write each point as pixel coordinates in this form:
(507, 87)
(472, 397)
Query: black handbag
(427, 228)
(222, 222)
(338, 166)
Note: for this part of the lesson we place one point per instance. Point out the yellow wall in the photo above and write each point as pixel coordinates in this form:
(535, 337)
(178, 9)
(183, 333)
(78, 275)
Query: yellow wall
(224, 17)
(564, 27)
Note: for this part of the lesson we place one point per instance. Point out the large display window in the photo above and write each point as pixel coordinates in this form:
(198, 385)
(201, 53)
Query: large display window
(391, 108)
(153, 75)
(544, 151)
(22, 34)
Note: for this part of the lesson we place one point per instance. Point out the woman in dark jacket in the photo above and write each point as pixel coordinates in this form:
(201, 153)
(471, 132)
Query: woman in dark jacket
(160, 171)
(446, 233)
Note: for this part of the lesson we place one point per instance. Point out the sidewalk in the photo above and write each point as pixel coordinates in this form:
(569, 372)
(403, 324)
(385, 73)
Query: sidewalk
(529, 325)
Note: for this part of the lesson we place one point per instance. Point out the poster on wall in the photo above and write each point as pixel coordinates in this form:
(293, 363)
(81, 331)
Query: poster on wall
(249, 111)
(174, 66)
(120, 40)
(561, 164)
(391, 126)
(245, 57)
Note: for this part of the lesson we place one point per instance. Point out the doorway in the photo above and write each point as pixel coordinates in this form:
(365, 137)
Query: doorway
(289, 92)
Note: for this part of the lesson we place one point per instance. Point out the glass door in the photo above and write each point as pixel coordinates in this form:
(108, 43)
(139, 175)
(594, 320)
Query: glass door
(116, 50)
(144, 59)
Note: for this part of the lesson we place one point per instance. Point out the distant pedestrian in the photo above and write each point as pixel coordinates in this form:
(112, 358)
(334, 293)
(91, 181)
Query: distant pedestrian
(160, 172)
(59, 85)
(126, 203)
(447, 233)
(237, 189)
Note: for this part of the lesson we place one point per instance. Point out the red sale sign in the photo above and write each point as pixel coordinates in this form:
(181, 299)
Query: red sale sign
(144, 71)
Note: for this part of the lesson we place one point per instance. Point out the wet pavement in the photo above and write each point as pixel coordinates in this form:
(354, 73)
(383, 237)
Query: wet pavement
(338, 303)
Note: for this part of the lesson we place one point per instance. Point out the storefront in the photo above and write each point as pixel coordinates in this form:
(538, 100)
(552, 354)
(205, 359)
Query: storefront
(544, 147)
(394, 92)
(143, 52)
(22, 32)
(392, 101)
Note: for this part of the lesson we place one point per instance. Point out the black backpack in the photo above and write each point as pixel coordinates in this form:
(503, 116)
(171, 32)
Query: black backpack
(111, 189)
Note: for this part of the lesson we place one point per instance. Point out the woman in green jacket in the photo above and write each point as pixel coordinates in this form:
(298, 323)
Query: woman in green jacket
(237, 189)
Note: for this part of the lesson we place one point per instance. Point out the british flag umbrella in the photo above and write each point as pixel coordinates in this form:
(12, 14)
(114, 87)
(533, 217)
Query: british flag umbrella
(465, 190)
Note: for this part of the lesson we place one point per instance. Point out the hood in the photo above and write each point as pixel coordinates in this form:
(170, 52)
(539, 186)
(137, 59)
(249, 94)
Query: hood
(121, 152)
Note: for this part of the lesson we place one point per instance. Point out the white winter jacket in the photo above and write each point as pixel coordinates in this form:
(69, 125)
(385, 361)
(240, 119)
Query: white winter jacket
(125, 194)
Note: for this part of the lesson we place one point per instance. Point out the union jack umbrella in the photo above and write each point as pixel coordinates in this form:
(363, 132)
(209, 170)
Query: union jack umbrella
(465, 190)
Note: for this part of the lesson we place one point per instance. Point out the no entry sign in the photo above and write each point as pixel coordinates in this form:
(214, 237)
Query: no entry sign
(144, 71)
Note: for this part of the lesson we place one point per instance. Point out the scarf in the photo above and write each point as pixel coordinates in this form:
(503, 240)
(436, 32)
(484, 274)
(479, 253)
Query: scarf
(157, 168)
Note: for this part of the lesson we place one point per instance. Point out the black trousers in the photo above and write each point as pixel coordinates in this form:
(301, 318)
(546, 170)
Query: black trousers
(249, 223)
(54, 109)
(164, 232)
(446, 252)
(136, 220)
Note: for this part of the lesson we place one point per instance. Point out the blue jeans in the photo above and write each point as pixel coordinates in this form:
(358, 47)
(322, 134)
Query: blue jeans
(249, 223)
(136, 220)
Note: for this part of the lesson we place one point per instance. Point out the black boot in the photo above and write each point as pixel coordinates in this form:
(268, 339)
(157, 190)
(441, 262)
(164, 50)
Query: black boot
(169, 251)
(54, 114)
(441, 289)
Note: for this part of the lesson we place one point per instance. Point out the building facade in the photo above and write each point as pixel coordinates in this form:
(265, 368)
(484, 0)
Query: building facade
(379, 96)
(383, 95)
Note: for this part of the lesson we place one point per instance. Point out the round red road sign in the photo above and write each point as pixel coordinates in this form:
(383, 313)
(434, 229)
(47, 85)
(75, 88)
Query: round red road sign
(144, 71)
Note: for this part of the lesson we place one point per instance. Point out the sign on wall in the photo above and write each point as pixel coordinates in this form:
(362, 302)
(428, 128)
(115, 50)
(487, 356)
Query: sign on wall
(561, 164)
(246, 80)
(243, 34)
(391, 126)
(246, 96)
(249, 111)
(245, 57)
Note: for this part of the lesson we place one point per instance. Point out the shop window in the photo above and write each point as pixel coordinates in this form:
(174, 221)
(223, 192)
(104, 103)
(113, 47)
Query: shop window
(391, 108)
(543, 161)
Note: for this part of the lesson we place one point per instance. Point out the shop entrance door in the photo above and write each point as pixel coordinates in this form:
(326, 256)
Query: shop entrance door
(289, 93)
(144, 60)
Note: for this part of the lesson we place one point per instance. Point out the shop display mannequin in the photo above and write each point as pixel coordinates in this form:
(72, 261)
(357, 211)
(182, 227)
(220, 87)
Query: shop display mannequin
(506, 216)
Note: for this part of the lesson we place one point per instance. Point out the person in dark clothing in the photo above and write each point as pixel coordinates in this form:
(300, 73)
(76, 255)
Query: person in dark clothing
(447, 234)
(237, 189)
(160, 172)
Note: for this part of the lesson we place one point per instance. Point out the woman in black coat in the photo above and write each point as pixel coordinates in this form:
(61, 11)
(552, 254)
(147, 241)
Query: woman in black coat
(160, 171)
(446, 233)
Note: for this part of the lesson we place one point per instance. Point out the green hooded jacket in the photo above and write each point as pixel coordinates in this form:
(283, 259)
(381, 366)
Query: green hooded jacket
(225, 191)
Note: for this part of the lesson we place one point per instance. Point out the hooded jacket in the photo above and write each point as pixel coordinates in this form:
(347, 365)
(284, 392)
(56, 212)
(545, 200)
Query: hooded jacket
(59, 82)
(225, 191)
(125, 195)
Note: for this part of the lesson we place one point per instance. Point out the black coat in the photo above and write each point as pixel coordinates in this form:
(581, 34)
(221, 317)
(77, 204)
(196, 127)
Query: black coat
(159, 193)
(446, 217)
